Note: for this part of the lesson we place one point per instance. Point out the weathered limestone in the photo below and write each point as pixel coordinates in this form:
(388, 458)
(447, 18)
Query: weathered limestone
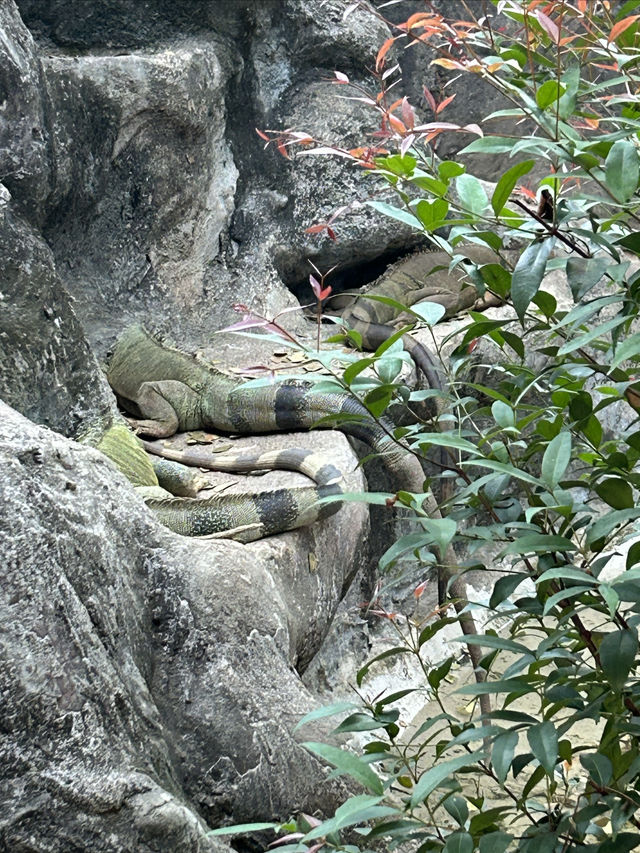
(148, 681)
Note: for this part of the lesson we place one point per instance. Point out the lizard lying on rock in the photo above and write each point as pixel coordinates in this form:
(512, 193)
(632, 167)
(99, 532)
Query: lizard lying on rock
(412, 280)
(169, 391)
(244, 517)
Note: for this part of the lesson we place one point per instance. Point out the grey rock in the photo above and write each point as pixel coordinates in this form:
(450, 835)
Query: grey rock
(47, 370)
(24, 155)
(149, 682)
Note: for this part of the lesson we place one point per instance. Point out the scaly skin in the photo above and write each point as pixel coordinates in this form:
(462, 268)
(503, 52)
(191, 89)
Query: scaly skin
(244, 517)
(169, 391)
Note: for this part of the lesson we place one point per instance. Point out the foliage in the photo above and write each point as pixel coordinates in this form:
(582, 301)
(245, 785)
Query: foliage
(536, 470)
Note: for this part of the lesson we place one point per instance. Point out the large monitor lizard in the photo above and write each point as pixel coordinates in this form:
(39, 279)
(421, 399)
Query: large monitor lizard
(169, 391)
(167, 486)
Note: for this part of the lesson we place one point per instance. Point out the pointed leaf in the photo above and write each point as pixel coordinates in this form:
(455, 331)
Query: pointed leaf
(347, 763)
(507, 182)
(472, 194)
(585, 273)
(615, 491)
(556, 459)
(325, 711)
(241, 827)
(621, 169)
(437, 774)
(617, 652)
(528, 275)
(458, 842)
(502, 752)
(628, 348)
(543, 740)
(549, 93)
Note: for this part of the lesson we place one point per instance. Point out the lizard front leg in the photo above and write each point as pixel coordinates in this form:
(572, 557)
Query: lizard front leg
(159, 418)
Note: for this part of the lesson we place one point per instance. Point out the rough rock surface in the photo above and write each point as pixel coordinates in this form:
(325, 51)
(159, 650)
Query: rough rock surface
(148, 681)
(162, 202)
(47, 370)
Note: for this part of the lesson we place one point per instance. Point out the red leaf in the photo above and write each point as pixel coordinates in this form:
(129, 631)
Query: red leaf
(444, 103)
(396, 124)
(429, 98)
(408, 115)
(283, 150)
(527, 192)
(315, 229)
(419, 590)
(331, 234)
(262, 135)
(549, 26)
(383, 52)
(621, 26)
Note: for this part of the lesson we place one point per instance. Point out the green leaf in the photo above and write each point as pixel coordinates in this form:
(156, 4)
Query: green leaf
(556, 459)
(538, 543)
(447, 440)
(448, 169)
(437, 774)
(458, 842)
(472, 194)
(347, 763)
(621, 169)
(356, 368)
(567, 573)
(604, 525)
(378, 399)
(490, 145)
(503, 468)
(503, 414)
(495, 842)
(617, 652)
(428, 312)
(585, 273)
(497, 278)
(565, 598)
(457, 807)
(358, 809)
(591, 335)
(628, 348)
(432, 214)
(502, 752)
(598, 767)
(358, 722)
(241, 827)
(528, 275)
(503, 588)
(507, 182)
(443, 530)
(549, 93)
(615, 491)
(396, 213)
(543, 740)
(325, 711)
